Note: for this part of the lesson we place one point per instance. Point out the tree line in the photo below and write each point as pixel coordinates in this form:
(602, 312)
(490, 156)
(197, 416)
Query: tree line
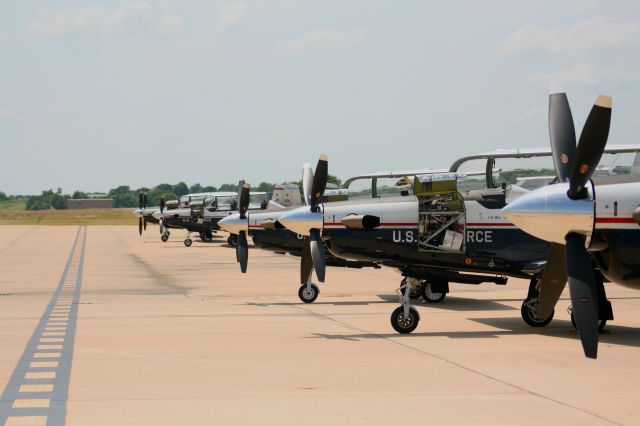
(124, 196)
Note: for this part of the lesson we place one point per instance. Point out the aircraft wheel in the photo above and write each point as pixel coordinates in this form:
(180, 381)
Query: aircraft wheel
(188, 242)
(164, 238)
(601, 324)
(402, 324)
(308, 295)
(232, 240)
(414, 293)
(529, 312)
(431, 297)
(207, 237)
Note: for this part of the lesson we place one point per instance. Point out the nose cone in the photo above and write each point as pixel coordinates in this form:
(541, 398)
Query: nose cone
(549, 214)
(158, 215)
(233, 224)
(302, 220)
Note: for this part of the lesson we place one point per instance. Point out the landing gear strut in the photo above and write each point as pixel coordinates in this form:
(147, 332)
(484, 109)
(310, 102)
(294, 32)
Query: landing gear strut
(308, 292)
(405, 318)
(529, 308)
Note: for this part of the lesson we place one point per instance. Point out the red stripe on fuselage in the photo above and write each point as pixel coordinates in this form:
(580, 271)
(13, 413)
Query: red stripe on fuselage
(615, 220)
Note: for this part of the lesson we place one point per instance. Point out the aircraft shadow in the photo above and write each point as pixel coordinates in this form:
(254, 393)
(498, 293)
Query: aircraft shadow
(612, 334)
(452, 303)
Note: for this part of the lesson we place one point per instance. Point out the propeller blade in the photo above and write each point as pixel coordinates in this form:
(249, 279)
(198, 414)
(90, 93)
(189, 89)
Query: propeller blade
(584, 298)
(144, 224)
(145, 199)
(319, 182)
(306, 264)
(141, 200)
(242, 251)
(562, 134)
(317, 253)
(307, 183)
(590, 147)
(140, 220)
(161, 227)
(243, 205)
(162, 204)
(554, 279)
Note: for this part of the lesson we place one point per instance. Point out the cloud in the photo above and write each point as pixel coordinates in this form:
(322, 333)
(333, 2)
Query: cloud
(326, 39)
(576, 75)
(232, 13)
(532, 113)
(138, 15)
(10, 116)
(594, 33)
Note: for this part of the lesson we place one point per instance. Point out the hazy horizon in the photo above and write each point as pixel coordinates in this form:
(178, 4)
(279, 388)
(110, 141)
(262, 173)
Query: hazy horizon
(104, 93)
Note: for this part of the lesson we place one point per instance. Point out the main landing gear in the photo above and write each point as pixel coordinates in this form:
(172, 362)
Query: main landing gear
(206, 237)
(605, 311)
(405, 318)
(529, 308)
(308, 292)
(429, 292)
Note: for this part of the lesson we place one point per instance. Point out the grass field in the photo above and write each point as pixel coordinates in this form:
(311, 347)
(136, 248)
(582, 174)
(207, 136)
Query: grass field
(12, 214)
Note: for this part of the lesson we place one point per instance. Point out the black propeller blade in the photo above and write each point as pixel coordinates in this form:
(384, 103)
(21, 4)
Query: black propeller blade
(584, 298)
(591, 147)
(306, 264)
(317, 253)
(144, 224)
(562, 134)
(140, 220)
(243, 205)
(554, 280)
(162, 204)
(319, 182)
(141, 200)
(242, 251)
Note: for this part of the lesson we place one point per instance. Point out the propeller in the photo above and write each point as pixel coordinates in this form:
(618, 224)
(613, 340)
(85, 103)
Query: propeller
(308, 220)
(142, 205)
(242, 248)
(570, 206)
(162, 206)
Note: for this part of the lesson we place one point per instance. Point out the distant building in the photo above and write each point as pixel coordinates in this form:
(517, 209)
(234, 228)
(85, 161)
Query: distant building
(87, 203)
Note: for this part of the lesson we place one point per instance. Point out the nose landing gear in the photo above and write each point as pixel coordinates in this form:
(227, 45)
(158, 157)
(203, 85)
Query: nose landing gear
(405, 318)
(308, 292)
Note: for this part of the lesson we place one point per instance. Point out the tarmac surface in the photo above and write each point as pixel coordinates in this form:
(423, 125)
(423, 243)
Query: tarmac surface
(101, 327)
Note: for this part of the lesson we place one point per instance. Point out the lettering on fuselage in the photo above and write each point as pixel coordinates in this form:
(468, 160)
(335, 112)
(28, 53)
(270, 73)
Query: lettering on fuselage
(403, 236)
(479, 236)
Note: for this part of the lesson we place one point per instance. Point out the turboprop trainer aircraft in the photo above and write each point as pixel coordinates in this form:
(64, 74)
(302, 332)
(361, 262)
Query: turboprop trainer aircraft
(269, 234)
(146, 213)
(592, 224)
(441, 234)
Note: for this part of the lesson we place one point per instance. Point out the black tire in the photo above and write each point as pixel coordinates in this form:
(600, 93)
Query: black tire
(188, 242)
(417, 292)
(164, 238)
(431, 297)
(232, 240)
(530, 316)
(207, 237)
(601, 324)
(308, 295)
(404, 325)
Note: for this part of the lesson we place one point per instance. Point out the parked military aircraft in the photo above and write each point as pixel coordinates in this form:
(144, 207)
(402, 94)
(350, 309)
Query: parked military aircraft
(592, 224)
(441, 234)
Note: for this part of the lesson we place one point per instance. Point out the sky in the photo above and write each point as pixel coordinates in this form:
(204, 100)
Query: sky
(96, 94)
